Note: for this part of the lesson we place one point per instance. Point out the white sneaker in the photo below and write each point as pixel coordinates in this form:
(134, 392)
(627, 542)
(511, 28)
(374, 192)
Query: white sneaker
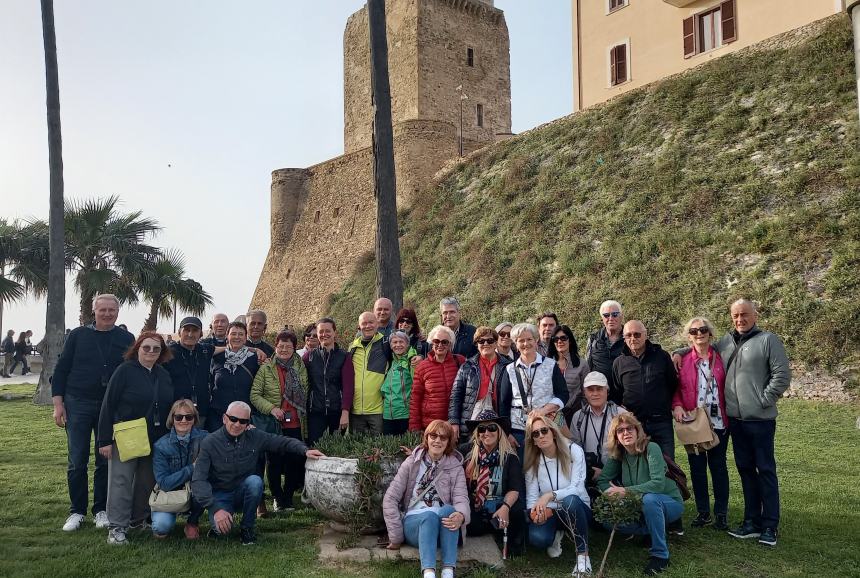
(583, 565)
(447, 572)
(554, 551)
(73, 522)
(117, 537)
(102, 520)
(429, 573)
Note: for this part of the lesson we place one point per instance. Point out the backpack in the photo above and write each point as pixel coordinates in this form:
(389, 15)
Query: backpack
(677, 475)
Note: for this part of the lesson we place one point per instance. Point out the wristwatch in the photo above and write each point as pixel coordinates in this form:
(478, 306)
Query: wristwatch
(554, 497)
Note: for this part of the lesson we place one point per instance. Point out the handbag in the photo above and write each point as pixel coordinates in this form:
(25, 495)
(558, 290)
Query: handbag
(698, 434)
(132, 439)
(677, 475)
(265, 423)
(173, 502)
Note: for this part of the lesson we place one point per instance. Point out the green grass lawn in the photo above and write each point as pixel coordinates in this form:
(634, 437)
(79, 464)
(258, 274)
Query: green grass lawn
(820, 532)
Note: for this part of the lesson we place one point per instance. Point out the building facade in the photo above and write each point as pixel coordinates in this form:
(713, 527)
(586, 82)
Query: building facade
(619, 45)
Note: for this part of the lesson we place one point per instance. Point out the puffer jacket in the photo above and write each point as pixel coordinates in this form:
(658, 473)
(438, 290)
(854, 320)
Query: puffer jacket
(266, 389)
(397, 387)
(431, 390)
(450, 485)
(172, 461)
(757, 377)
(687, 395)
(464, 394)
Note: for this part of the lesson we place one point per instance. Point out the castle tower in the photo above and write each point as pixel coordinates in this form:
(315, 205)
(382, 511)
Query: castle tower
(323, 220)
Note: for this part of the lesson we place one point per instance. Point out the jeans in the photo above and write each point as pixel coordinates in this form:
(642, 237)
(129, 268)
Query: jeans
(286, 472)
(573, 516)
(756, 463)
(319, 423)
(369, 423)
(715, 459)
(393, 427)
(129, 485)
(163, 522)
(426, 532)
(82, 418)
(657, 511)
(243, 499)
(662, 433)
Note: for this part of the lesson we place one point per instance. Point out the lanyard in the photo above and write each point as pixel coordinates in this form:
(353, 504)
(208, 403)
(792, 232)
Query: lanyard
(551, 485)
(189, 372)
(104, 355)
(602, 429)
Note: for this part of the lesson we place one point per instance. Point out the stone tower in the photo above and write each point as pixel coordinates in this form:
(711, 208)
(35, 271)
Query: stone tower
(323, 218)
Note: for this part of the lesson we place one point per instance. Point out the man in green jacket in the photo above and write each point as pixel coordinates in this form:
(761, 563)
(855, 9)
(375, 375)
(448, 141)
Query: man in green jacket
(371, 356)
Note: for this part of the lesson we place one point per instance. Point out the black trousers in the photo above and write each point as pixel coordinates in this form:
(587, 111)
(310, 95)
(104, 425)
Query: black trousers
(286, 472)
(319, 423)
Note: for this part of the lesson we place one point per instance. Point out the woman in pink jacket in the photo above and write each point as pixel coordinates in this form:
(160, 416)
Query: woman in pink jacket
(703, 380)
(428, 503)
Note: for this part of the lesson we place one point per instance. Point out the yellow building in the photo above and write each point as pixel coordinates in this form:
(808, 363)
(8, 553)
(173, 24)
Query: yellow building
(619, 45)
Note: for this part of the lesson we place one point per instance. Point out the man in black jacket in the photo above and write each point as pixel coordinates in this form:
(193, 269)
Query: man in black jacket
(8, 350)
(225, 479)
(257, 324)
(86, 364)
(646, 375)
(605, 345)
(189, 368)
(449, 310)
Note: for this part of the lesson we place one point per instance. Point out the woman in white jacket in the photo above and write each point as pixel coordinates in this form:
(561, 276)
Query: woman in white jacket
(555, 491)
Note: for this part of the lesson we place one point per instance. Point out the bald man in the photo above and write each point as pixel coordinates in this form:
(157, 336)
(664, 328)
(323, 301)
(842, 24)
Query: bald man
(646, 376)
(382, 309)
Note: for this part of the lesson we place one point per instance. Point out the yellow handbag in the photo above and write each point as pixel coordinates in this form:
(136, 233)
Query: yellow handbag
(132, 439)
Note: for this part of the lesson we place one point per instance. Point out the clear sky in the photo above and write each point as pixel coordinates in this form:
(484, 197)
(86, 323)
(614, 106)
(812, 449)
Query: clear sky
(183, 109)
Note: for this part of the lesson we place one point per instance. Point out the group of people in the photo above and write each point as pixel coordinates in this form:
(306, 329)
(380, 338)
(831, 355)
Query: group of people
(15, 351)
(520, 430)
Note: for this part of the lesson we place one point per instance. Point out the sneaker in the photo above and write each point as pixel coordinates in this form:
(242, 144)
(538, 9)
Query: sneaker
(656, 565)
(102, 519)
(447, 572)
(746, 530)
(282, 505)
(141, 526)
(720, 522)
(248, 537)
(73, 522)
(554, 551)
(676, 528)
(702, 520)
(117, 537)
(583, 565)
(768, 537)
(192, 531)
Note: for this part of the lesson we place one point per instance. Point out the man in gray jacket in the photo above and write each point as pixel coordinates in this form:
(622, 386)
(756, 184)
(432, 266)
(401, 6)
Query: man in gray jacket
(757, 374)
(225, 478)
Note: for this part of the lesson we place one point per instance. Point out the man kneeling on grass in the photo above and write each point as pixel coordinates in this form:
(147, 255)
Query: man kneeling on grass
(225, 479)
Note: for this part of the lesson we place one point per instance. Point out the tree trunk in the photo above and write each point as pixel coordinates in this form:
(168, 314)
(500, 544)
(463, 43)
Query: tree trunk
(389, 282)
(606, 552)
(55, 315)
(86, 317)
(151, 322)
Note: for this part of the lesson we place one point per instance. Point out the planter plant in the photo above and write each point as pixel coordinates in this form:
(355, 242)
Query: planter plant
(347, 485)
(616, 511)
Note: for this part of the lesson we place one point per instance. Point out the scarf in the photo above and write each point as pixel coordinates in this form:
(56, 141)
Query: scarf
(486, 462)
(233, 359)
(428, 495)
(291, 386)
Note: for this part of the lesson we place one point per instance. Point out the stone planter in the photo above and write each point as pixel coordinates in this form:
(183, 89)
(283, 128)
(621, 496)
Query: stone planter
(330, 487)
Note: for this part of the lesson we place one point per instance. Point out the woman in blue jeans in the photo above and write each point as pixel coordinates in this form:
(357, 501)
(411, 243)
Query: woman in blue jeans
(638, 464)
(556, 499)
(173, 463)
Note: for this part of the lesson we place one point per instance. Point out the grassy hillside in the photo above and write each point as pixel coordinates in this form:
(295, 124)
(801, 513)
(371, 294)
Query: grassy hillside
(739, 178)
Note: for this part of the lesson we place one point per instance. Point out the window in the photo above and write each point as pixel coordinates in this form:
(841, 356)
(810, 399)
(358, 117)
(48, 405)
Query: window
(336, 212)
(479, 112)
(317, 217)
(470, 57)
(619, 64)
(613, 5)
(710, 29)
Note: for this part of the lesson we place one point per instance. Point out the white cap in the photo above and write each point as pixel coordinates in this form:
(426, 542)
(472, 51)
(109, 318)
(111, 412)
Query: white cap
(595, 378)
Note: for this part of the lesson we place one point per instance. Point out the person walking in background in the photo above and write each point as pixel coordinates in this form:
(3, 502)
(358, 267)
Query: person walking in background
(8, 350)
(22, 350)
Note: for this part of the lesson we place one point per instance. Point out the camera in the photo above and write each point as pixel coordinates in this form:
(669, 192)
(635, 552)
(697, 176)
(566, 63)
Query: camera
(593, 460)
(715, 410)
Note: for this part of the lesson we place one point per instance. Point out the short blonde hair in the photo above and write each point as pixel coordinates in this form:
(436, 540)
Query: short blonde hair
(703, 320)
(179, 404)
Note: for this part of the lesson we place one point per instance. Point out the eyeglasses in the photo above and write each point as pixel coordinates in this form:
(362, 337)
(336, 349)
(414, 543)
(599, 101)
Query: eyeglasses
(504, 333)
(436, 436)
(562, 338)
(151, 348)
(633, 334)
(490, 427)
(487, 341)
(612, 314)
(624, 430)
(183, 417)
(539, 432)
(241, 420)
(441, 342)
(699, 331)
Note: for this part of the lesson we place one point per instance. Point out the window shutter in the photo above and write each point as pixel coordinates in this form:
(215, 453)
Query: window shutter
(689, 36)
(729, 22)
(621, 63)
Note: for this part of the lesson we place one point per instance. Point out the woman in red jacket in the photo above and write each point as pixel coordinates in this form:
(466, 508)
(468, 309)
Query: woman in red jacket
(702, 382)
(434, 379)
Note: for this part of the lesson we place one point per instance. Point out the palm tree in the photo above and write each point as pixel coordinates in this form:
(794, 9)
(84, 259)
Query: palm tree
(108, 250)
(23, 255)
(164, 286)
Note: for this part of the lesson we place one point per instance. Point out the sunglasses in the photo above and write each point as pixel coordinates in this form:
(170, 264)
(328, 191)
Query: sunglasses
(151, 348)
(624, 430)
(436, 436)
(488, 341)
(633, 334)
(562, 338)
(540, 432)
(504, 333)
(441, 342)
(183, 417)
(612, 314)
(241, 420)
(490, 427)
(699, 331)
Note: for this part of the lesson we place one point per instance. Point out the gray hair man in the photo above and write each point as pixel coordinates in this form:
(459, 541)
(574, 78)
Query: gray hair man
(606, 344)
(449, 311)
(257, 324)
